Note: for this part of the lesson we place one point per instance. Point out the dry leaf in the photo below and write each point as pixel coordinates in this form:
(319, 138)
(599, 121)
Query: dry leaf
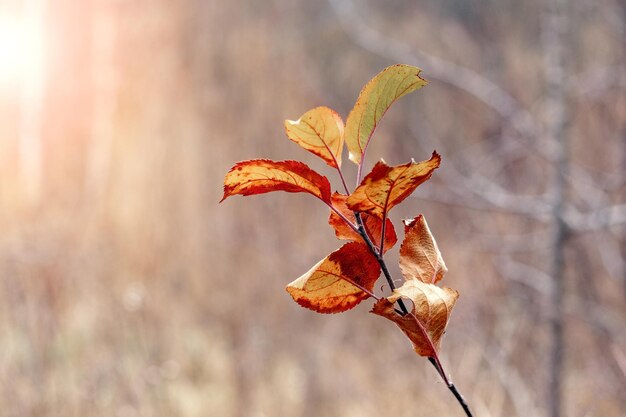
(319, 131)
(419, 255)
(386, 186)
(427, 321)
(374, 100)
(259, 176)
(373, 225)
(328, 286)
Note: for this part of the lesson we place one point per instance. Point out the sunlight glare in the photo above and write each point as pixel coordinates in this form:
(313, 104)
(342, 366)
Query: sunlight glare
(21, 49)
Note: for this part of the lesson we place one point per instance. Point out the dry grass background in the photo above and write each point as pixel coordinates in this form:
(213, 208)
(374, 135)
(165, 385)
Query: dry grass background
(126, 290)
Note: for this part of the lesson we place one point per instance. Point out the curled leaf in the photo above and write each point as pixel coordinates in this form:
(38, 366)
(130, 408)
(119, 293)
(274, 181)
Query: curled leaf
(427, 321)
(386, 186)
(419, 255)
(374, 100)
(373, 225)
(335, 283)
(319, 131)
(259, 176)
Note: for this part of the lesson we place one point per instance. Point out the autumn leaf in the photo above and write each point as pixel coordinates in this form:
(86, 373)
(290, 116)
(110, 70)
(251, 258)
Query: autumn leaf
(373, 225)
(329, 287)
(386, 186)
(374, 100)
(319, 131)
(427, 321)
(419, 255)
(260, 176)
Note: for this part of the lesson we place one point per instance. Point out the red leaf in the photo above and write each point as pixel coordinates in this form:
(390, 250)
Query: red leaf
(386, 187)
(329, 287)
(260, 176)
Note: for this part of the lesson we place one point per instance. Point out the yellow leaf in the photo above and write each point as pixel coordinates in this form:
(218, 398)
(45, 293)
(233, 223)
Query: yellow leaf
(319, 131)
(386, 186)
(374, 100)
(259, 176)
(329, 287)
(427, 321)
(419, 255)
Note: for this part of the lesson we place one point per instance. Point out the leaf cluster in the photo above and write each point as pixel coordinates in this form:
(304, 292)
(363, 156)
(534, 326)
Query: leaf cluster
(348, 275)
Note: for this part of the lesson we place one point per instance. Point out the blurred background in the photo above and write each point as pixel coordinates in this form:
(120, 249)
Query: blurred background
(127, 291)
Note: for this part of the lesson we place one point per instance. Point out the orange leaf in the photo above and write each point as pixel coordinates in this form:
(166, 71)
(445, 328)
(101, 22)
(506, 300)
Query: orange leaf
(373, 225)
(319, 131)
(374, 100)
(427, 321)
(328, 286)
(260, 176)
(419, 255)
(386, 186)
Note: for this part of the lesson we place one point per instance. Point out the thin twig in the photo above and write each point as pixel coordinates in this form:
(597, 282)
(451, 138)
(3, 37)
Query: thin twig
(437, 364)
(404, 311)
(343, 180)
(379, 258)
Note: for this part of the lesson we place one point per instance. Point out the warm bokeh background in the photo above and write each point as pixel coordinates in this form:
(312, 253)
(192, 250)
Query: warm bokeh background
(126, 290)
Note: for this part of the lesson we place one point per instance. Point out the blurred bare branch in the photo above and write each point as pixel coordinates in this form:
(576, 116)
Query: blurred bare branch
(491, 94)
(602, 218)
(524, 273)
(593, 84)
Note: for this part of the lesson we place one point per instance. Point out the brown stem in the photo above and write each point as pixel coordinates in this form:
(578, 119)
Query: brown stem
(437, 364)
(404, 311)
(377, 252)
(379, 258)
(343, 180)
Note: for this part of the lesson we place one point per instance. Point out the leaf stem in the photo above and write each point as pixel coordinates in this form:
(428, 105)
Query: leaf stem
(343, 180)
(359, 173)
(382, 234)
(344, 218)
